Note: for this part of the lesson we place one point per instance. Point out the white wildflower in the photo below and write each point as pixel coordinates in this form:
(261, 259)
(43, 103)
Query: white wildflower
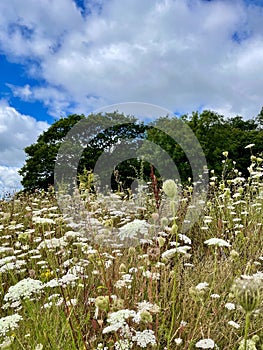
(123, 344)
(201, 286)
(217, 242)
(9, 323)
(178, 341)
(134, 229)
(250, 145)
(39, 220)
(230, 306)
(233, 324)
(184, 238)
(53, 243)
(205, 344)
(144, 338)
(24, 289)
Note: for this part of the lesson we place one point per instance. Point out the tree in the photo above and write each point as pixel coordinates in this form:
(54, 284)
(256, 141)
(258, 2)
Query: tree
(104, 139)
(103, 132)
(38, 171)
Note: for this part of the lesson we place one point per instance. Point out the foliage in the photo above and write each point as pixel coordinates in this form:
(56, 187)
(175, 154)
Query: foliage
(215, 134)
(38, 171)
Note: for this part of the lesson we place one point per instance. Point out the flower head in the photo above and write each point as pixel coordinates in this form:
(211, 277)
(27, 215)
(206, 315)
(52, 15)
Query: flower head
(217, 242)
(247, 292)
(170, 189)
(205, 344)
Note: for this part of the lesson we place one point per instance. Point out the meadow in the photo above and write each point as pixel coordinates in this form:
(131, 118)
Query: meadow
(63, 287)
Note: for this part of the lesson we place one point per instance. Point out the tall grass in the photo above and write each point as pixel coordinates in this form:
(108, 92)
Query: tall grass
(64, 290)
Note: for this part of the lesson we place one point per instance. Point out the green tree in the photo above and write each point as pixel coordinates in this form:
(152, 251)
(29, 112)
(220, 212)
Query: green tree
(38, 171)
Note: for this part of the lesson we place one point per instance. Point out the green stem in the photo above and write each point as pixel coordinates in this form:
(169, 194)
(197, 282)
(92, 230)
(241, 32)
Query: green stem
(173, 310)
(170, 336)
(247, 328)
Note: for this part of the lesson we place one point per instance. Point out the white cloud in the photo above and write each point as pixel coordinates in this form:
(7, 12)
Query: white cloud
(16, 132)
(179, 54)
(9, 179)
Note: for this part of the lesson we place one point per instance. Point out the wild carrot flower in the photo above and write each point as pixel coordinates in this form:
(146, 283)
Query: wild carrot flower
(205, 344)
(24, 289)
(9, 323)
(144, 338)
(230, 306)
(217, 242)
(233, 324)
(134, 229)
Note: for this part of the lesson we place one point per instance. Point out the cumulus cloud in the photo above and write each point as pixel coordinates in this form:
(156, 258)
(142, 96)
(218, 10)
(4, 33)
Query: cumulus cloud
(9, 180)
(16, 132)
(180, 54)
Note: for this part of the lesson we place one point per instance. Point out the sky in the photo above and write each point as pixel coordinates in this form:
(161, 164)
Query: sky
(59, 57)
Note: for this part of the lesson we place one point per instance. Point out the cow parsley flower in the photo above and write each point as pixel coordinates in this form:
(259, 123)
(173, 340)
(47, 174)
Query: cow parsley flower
(219, 242)
(205, 344)
(24, 289)
(9, 323)
(134, 229)
(144, 338)
(233, 324)
(123, 344)
(201, 285)
(53, 243)
(230, 306)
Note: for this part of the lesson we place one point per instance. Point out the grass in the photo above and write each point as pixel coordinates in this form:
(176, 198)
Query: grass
(157, 294)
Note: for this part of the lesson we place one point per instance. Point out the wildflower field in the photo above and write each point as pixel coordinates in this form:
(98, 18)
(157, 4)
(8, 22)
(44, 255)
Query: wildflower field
(67, 288)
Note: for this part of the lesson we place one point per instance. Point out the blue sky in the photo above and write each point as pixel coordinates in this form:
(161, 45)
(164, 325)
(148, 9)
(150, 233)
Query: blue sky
(59, 57)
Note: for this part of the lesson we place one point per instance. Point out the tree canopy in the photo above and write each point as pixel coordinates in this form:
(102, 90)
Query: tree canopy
(214, 132)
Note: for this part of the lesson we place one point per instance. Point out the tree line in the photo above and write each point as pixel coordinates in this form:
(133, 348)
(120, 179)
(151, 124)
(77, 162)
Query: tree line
(215, 133)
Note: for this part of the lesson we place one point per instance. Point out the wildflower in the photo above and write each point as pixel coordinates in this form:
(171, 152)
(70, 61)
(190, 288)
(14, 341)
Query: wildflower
(122, 344)
(233, 324)
(170, 253)
(9, 323)
(178, 341)
(230, 306)
(205, 344)
(102, 302)
(225, 154)
(215, 296)
(101, 347)
(132, 229)
(250, 145)
(251, 345)
(39, 347)
(170, 189)
(247, 292)
(184, 238)
(144, 338)
(217, 242)
(6, 343)
(145, 316)
(24, 289)
(39, 220)
(146, 306)
(201, 286)
(53, 243)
